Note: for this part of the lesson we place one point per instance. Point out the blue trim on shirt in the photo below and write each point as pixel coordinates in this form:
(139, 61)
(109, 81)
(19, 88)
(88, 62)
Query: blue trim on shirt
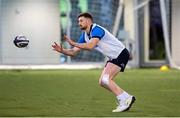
(97, 32)
(82, 38)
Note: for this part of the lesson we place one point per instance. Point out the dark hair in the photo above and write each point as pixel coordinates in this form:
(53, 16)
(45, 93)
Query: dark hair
(86, 15)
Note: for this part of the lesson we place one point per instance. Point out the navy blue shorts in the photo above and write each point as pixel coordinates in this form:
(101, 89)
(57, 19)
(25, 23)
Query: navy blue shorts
(121, 60)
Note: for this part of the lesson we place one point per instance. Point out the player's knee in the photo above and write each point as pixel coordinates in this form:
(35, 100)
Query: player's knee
(104, 80)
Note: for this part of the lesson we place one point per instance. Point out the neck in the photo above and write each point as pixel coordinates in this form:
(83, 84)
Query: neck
(88, 29)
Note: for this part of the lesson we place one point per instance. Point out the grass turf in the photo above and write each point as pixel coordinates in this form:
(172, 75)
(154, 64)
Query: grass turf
(77, 93)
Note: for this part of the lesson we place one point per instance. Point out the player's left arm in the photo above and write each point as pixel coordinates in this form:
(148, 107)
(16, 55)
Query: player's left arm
(87, 46)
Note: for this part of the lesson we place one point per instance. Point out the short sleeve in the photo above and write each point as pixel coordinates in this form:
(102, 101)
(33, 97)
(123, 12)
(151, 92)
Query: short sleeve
(97, 32)
(82, 38)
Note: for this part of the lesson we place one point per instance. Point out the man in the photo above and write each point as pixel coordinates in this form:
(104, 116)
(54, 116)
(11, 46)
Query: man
(97, 37)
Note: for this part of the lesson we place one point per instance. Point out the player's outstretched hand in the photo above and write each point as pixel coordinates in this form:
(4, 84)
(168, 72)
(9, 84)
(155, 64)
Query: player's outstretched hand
(66, 38)
(57, 47)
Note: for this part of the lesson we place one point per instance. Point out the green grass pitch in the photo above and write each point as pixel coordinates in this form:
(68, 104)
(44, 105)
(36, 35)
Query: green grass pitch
(77, 93)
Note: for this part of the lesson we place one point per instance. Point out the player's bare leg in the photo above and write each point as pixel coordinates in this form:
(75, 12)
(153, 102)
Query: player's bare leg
(105, 86)
(106, 81)
(111, 70)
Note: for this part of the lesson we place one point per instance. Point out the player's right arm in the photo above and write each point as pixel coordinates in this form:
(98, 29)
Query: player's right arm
(69, 52)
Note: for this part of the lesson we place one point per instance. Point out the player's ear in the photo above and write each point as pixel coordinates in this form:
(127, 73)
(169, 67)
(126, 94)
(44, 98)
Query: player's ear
(89, 20)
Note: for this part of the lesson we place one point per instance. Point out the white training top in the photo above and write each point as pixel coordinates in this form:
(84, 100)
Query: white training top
(109, 45)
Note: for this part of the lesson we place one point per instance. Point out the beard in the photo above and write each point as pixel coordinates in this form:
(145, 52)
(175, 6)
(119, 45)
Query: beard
(83, 28)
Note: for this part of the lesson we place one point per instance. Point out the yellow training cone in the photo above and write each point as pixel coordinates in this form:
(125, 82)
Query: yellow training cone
(164, 68)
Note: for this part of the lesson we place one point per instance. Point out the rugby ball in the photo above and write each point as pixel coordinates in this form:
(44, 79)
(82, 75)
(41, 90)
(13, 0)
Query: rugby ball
(21, 41)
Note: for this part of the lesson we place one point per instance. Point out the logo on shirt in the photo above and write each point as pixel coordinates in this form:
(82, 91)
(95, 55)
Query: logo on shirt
(122, 65)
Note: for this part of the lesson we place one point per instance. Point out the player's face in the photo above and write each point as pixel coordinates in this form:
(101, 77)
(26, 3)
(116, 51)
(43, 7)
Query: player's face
(83, 23)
